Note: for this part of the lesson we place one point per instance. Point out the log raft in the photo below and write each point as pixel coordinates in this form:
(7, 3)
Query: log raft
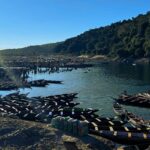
(140, 100)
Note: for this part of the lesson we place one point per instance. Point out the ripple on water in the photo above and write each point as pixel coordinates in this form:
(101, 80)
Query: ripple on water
(97, 86)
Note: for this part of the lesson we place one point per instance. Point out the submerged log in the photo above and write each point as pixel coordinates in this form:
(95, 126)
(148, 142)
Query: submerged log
(42, 83)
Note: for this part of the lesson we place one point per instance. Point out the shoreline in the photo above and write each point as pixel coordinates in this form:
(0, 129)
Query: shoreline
(80, 59)
(105, 59)
(37, 130)
(19, 134)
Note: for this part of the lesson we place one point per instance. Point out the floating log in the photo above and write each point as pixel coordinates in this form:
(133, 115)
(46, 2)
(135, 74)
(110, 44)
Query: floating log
(119, 110)
(141, 100)
(137, 121)
(130, 138)
(130, 117)
(42, 83)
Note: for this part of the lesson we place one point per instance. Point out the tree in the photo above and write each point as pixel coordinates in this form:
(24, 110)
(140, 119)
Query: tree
(122, 53)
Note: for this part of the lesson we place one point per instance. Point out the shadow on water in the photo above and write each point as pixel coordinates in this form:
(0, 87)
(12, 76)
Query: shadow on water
(128, 71)
(97, 85)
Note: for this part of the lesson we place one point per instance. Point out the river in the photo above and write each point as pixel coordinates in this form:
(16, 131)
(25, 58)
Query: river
(97, 85)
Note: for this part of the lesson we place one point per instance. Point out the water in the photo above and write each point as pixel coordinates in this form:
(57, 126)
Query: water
(96, 86)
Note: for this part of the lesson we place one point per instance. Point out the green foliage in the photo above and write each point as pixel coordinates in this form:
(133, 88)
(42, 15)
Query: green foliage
(123, 39)
(129, 38)
(31, 50)
(122, 53)
(147, 48)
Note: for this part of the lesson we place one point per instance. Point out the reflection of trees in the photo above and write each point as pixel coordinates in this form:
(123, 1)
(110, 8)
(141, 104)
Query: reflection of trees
(139, 72)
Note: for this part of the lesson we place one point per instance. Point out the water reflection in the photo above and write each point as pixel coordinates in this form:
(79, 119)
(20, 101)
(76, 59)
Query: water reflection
(96, 86)
(126, 71)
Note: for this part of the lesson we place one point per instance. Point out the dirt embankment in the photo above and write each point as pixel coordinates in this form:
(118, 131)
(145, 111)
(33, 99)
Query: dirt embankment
(18, 134)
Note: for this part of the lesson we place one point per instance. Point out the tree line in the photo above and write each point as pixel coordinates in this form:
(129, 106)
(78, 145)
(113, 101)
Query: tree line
(127, 38)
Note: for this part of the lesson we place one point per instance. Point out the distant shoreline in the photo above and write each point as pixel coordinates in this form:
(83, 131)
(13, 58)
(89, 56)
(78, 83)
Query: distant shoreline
(105, 59)
(82, 58)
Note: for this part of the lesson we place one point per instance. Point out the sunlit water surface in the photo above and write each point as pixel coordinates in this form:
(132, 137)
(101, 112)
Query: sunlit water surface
(96, 86)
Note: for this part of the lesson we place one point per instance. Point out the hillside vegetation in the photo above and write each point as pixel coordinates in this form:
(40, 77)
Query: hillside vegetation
(128, 38)
(31, 50)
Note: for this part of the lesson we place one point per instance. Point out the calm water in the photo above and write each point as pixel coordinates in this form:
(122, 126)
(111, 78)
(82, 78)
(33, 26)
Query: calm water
(96, 86)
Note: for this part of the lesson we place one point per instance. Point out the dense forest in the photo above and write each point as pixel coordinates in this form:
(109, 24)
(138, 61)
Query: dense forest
(128, 38)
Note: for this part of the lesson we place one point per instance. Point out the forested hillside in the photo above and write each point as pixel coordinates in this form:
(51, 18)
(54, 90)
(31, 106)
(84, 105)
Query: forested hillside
(129, 38)
(31, 50)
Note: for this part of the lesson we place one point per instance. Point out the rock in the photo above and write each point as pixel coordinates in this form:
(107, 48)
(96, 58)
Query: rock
(67, 138)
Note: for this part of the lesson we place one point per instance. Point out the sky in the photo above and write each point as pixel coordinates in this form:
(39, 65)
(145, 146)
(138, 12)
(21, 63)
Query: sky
(33, 22)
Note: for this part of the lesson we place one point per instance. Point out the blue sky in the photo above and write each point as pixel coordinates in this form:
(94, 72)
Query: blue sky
(31, 22)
